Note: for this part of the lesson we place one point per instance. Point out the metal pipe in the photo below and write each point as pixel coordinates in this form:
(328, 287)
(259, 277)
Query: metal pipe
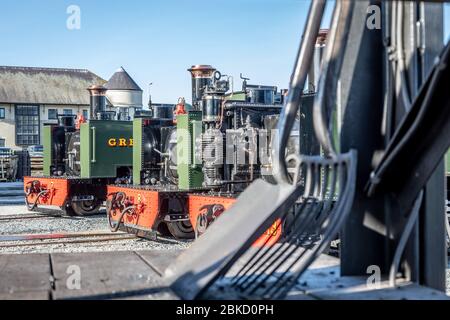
(298, 79)
(320, 103)
(327, 90)
(232, 105)
(402, 80)
(414, 215)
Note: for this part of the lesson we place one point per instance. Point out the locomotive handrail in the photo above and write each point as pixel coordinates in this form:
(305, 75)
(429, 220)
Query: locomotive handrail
(93, 157)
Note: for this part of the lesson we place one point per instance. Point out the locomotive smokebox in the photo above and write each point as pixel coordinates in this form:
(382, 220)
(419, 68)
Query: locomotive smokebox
(98, 102)
(202, 77)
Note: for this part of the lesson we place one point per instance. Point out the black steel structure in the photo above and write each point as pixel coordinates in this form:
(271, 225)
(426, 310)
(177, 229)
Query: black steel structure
(382, 88)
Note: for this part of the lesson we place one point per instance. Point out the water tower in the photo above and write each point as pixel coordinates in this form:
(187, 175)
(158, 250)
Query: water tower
(123, 94)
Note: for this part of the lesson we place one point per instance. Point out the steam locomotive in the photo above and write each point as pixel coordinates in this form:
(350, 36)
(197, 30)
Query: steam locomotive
(190, 165)
(172, 172)
(80, 159)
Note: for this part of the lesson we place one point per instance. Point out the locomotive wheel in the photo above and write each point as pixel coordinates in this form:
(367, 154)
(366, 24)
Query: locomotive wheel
(86, 208)
(181, 229)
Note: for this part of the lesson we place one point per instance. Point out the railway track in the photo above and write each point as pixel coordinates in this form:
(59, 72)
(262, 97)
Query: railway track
(47, 215)
(32, 240)
(28, 216)
(45, 232)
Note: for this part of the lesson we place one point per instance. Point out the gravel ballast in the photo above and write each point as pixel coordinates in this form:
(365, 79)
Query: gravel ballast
(49, 225)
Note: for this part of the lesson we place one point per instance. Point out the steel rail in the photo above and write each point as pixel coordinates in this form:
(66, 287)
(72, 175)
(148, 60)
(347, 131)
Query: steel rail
(49, 236)
(75, 241)
(29, 216)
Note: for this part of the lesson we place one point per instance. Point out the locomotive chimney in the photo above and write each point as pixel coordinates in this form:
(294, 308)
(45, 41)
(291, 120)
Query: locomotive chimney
(98, 102)
(202, 76)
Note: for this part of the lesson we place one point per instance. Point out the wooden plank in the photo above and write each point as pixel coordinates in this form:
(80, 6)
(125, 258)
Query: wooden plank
(24, 273)
(106, 275)
(159, 260)
(36, 166)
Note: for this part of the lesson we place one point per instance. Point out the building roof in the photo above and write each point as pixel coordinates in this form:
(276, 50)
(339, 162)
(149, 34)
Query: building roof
(121, 80)
(46, 85)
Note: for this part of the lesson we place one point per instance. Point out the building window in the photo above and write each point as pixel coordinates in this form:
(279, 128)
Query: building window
(27, 125)
(2, 113)
(67, 112)
(52, 114)
(85, 114)
(2, 142)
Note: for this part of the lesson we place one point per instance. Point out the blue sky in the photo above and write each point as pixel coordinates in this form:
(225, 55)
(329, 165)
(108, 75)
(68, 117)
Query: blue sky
(156, 41)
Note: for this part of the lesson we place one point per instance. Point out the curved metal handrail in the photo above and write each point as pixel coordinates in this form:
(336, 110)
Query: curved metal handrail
(297, 84)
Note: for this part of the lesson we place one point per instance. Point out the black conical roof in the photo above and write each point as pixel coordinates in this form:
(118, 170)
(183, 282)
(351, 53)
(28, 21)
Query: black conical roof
(121, 80)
